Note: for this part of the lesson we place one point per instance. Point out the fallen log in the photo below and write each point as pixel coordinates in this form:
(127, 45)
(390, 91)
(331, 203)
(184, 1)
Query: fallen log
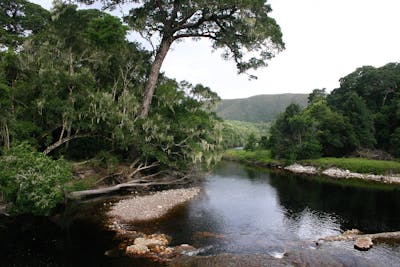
(128, 185)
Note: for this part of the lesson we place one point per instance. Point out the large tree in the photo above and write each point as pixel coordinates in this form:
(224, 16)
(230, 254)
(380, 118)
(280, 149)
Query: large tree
(243, 28)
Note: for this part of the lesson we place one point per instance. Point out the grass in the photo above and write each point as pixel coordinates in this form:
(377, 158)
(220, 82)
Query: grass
(257, 156)
(82, 184)
(358, 165)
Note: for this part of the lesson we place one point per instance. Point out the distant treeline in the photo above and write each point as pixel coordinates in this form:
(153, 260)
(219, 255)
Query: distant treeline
(362, 114)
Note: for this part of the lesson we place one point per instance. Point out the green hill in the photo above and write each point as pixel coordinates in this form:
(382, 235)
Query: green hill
(259, 108)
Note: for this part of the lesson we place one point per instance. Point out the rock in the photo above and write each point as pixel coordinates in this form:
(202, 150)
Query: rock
(155, 247)
(297, 168)
(147, 244)
(186, 249)
(363, 243)
(140, 241)
(352, 232)
(137, 250)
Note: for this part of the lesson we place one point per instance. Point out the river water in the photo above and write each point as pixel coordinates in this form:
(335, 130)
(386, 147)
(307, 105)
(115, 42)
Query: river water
(241, 210)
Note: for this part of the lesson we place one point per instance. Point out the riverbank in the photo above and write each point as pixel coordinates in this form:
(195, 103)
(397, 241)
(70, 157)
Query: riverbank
(126, 213)
(338, 168)
(151, 207)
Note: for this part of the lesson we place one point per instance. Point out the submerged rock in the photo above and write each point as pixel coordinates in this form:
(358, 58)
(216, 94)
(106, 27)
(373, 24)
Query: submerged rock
(363, 243)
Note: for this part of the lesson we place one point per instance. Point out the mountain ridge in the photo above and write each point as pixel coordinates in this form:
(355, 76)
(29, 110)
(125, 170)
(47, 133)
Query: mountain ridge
(258, 108)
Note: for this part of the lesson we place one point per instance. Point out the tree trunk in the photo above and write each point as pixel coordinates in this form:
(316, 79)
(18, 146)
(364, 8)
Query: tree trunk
(6, 136)
(153, 77)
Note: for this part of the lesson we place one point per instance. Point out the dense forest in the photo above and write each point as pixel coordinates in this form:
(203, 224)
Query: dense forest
(73, 88)
(362, 115)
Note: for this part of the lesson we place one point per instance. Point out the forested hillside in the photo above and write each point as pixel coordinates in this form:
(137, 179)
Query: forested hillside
(260, 108)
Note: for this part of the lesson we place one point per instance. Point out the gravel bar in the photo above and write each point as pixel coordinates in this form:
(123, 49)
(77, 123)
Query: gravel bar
(150, 207)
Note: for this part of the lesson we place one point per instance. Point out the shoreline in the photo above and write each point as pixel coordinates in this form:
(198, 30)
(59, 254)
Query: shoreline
(337, 173)
(331, 172)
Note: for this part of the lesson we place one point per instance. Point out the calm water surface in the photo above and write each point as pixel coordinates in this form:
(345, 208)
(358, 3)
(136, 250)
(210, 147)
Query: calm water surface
(240, 210)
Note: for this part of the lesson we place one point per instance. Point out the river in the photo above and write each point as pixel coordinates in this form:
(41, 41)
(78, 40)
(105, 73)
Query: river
(241, 210)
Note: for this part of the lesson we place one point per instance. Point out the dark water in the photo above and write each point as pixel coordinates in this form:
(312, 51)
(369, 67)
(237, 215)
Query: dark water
(241, 210)
(74, 238)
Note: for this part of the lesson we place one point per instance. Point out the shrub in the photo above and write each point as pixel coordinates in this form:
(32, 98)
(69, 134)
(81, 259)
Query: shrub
(30, 181)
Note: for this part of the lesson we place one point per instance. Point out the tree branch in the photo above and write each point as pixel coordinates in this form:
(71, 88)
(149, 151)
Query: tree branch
(62, 141)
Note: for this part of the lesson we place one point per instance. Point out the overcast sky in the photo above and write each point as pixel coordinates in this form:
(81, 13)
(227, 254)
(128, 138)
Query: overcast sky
(325, 40)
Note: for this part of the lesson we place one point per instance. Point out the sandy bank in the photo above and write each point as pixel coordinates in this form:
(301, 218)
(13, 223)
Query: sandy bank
(150, 207)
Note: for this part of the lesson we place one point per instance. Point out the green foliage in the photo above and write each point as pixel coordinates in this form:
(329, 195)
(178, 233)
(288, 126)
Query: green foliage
(369, 97)
(236, 26)
(31, 181)
(17, 19)
(79, 185)
(107, 160)
(251, 143)
(317, 95)
(294, 135)
(260, 108)
(395, 142)
(334, 131)
(236, 133)
(258, 155)
(106, 31)
(181, 130)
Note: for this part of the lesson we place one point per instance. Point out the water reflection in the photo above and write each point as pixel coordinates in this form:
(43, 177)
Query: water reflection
(365, 208)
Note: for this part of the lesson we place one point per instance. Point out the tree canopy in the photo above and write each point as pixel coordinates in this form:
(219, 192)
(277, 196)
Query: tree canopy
(18, 19)
(243, 29)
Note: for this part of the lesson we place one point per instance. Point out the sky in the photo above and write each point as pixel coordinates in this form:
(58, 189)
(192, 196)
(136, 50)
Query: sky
(325, 40)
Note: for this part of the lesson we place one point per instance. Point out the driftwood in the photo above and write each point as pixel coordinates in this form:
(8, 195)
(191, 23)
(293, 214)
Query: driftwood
(134, 179)
(131, 185)
(141, 168)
